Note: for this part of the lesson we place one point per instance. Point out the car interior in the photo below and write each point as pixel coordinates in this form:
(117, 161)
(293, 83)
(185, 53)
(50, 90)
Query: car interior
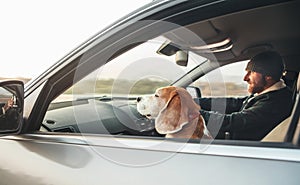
(221, 40)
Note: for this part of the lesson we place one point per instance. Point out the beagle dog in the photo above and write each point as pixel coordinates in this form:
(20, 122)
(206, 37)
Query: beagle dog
(175, 112)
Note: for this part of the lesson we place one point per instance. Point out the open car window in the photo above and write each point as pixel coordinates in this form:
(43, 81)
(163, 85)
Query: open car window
(104, 102)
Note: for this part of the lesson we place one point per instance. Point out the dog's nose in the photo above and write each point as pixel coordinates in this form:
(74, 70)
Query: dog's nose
(139, 99)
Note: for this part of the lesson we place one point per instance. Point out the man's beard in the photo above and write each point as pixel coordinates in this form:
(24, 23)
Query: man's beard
(258, 87)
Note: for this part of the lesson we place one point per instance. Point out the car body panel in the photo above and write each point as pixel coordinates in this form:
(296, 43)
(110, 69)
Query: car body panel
(62, 160)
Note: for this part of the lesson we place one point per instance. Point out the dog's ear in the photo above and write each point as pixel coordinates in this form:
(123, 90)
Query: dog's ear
(177, 112)
(189, 106)
(168, 119)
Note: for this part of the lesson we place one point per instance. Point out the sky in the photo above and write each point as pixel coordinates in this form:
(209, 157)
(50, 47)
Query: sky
(35, 34)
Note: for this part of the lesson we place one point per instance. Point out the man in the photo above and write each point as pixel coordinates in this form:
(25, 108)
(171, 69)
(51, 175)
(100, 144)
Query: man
(252, 117)
(5, 113)
(6, 106)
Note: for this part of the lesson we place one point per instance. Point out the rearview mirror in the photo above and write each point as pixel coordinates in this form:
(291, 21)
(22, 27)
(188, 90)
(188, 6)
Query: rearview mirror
(11, 106)
(182, 58)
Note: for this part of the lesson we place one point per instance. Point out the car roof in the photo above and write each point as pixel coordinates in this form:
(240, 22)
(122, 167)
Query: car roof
(271, 27)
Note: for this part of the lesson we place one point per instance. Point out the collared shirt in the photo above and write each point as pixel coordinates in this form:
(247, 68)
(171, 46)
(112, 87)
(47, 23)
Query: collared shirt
(278, 85)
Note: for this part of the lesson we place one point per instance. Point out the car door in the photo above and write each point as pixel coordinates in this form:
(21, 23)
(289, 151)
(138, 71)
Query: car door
(81, 127)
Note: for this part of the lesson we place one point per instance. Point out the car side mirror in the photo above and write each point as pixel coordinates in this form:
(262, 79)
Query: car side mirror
(195, 92)
(11, 106)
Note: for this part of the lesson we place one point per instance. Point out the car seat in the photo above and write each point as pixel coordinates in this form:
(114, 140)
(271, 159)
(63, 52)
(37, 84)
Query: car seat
(284, 132)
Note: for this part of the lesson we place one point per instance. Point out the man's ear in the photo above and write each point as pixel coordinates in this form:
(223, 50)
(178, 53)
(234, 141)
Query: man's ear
(268, 78)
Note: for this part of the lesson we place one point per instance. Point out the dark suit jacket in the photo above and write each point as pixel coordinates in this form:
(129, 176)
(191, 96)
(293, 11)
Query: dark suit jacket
(246, 120)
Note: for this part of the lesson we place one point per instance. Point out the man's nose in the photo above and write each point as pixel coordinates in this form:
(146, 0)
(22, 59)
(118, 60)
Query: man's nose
(246, 77)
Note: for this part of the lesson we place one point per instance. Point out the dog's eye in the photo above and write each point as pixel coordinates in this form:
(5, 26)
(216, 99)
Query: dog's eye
(156, 95)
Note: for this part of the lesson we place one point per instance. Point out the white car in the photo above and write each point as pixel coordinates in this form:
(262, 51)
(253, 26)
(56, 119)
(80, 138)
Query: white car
(77, 123)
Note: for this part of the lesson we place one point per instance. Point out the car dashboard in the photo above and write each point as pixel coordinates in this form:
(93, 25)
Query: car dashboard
(102, 115)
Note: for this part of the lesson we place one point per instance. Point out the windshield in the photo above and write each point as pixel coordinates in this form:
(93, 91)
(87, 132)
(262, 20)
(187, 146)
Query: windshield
(140, 70)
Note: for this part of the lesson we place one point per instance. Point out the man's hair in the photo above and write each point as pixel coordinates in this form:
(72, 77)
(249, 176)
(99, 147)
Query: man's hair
(268, 63)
